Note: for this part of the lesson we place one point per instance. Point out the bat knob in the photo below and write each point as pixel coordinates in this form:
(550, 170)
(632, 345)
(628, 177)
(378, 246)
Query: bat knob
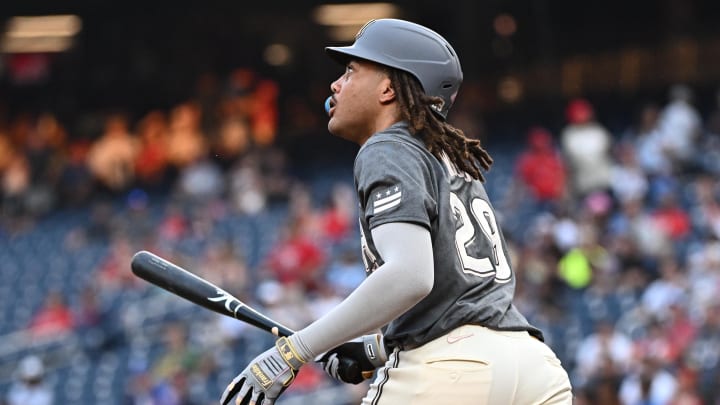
(350, 371)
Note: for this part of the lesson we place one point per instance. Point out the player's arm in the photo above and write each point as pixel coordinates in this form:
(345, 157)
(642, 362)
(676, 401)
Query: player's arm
(404, 279)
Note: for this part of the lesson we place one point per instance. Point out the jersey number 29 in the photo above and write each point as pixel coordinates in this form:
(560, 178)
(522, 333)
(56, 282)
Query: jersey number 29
(496, 263)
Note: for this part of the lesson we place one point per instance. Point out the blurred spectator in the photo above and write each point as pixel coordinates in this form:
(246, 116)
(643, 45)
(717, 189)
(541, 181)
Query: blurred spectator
(648, 142)
(41, 148)
(173, 226)
(176, 360)
(602, 390)
(296, 258)
(633, 221)
(140, 390)
(704, 276)
(75, 182)
(575, 269)
(186, 142)
(337, 218)
(579, 264)
(96, 323)
(586, 145)
(541, 168)
(605, 345)
(112, 273)
(680, 331)
(672, 218)
(686, 392)
(629, 181)
(15, 184)
(53, 319)
(42, 145)
(665, 291)
(247, 192)
(233, 141)
(51, 131)
(225, 267)
(648, 384)
(679, 125)
(705, 209)
(346, 271)
(166, 381)
(111, 157)
(704, 353)
(101, 223)
(286, 303)
(602, 298)
(565, 231)
(151, 159)
(273, 168)
(655, 345)
(201, 180)
(29, 387)
(264, 114)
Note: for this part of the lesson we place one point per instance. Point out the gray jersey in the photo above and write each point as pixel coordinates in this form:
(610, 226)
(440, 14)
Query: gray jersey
(398, 180)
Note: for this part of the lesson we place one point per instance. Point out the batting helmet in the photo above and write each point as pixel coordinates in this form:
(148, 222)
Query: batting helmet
(411, 48)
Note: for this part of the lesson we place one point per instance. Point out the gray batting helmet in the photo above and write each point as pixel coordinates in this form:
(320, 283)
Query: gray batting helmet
(412, 48)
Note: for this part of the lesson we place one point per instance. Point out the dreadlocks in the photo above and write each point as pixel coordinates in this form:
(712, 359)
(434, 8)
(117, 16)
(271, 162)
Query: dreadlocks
(441, 138)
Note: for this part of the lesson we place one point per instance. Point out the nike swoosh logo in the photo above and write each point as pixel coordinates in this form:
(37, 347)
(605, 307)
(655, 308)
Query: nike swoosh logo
(453, 339)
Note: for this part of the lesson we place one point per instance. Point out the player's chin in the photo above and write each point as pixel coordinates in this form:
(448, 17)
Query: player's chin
(334, 127)
(339, 131)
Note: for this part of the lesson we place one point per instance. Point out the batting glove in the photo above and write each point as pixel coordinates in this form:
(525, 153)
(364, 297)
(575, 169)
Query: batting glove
(354, 361)
(266, 377)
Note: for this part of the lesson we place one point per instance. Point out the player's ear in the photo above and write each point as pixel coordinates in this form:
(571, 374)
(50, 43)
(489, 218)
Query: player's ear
(387, 91)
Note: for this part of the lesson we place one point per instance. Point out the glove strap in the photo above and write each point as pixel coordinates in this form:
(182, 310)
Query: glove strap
(374, 349)
(289, 353)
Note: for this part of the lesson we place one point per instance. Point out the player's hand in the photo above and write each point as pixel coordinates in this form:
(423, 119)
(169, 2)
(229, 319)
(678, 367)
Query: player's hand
(266, 377)
(354, 361)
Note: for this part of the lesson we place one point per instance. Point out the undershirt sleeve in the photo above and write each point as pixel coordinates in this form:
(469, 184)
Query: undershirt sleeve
(404, 279)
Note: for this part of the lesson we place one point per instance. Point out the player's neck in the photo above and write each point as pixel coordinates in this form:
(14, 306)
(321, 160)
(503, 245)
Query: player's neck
(387, 118)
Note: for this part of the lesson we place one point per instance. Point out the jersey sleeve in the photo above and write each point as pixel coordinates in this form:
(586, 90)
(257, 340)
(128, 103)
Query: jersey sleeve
(394, 183)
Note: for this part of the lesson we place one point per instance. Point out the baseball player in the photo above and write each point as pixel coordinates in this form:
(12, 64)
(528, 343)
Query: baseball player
(439, 281)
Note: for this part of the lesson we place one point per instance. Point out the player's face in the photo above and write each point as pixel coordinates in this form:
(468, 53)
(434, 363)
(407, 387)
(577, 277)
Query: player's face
(356, 101)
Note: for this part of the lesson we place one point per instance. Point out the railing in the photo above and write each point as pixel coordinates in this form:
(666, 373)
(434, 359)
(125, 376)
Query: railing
(56, 351)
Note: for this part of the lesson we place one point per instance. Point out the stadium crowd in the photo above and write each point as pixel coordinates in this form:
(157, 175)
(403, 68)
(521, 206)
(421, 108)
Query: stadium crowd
(613, 236)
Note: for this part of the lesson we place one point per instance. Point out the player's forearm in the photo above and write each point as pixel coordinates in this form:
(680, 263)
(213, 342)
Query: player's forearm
(403, 280)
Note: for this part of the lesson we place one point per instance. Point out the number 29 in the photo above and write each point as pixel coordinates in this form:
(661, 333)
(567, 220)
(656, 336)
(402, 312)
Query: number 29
(496, 264)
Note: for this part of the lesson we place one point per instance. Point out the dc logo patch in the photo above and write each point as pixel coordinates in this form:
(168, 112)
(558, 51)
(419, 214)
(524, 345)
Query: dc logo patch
(385, 200)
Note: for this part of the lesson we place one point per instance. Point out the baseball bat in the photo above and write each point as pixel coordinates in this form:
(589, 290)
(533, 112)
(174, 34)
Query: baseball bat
(175, 279)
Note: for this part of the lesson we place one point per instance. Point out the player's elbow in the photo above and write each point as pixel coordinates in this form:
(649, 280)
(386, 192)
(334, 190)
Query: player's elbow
(422, 284)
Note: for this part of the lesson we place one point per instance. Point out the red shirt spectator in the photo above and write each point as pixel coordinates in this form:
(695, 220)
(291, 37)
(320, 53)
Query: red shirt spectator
(671, 218)
(54, 318)
(296, 258)
(541, 168)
